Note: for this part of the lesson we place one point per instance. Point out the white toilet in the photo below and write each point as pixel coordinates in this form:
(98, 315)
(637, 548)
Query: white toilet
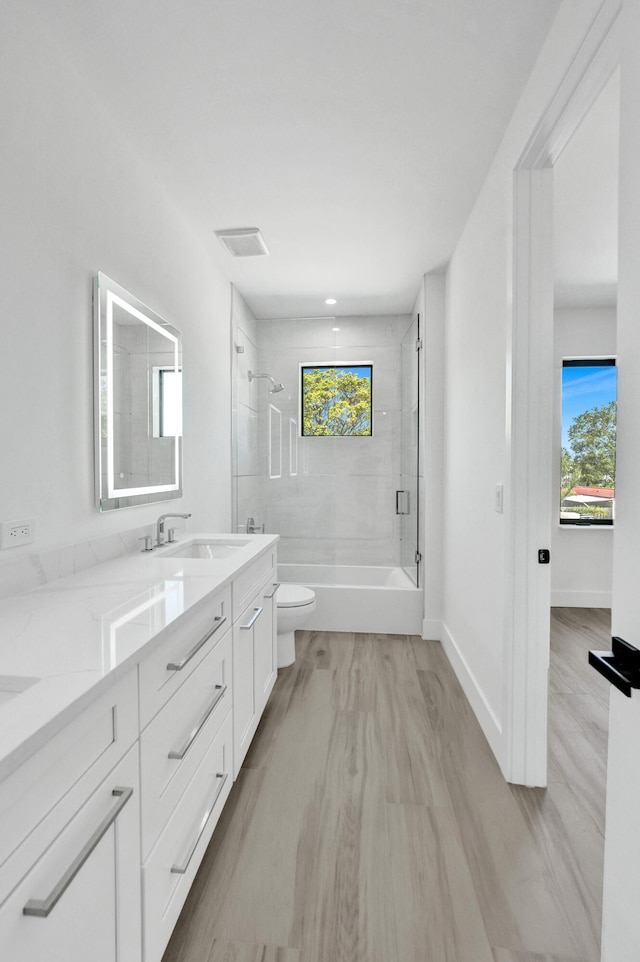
(295, 604)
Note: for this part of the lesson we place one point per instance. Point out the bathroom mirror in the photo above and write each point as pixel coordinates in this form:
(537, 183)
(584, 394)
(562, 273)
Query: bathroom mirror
(138, 401)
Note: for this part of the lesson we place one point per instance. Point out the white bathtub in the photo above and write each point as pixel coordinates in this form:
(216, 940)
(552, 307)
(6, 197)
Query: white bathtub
(359, 598)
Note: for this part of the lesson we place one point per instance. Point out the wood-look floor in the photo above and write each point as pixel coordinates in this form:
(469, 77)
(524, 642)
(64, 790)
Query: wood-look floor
(370, 822)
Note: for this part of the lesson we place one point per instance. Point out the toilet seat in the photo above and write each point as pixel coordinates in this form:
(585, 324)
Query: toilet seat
(294, 596)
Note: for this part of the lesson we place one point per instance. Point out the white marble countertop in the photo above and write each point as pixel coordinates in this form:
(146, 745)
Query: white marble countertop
(73, 638)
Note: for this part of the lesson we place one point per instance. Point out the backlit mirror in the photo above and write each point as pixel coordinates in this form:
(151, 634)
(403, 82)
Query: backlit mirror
(138, 401)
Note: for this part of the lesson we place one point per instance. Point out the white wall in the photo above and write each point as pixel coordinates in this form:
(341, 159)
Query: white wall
(76, 199)
(621, 920)
(581, 558)
(479, 282)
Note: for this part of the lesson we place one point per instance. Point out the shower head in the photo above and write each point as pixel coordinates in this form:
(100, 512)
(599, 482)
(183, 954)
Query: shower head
(276, 385)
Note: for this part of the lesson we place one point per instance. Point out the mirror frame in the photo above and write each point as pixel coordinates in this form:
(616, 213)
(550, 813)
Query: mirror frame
(106, 295)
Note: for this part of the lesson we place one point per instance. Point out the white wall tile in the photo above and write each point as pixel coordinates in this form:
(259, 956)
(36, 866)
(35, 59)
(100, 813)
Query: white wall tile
(247, 441)
(251, 500)
(340, 507)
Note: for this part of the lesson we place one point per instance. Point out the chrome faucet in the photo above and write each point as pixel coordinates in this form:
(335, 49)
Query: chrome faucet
(253, 528)
(160, 526)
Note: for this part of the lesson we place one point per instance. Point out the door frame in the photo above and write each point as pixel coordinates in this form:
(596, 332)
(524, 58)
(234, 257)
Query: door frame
(529, 421)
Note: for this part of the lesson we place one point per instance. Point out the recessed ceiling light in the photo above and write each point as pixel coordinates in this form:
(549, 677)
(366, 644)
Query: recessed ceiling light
(243, 241)
(331, 300)
(335, 328)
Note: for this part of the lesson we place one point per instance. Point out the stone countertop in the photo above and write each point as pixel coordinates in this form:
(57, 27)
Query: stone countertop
(67, 641)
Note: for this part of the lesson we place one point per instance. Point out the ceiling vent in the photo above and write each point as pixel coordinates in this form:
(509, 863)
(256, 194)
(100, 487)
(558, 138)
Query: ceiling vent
(243, 241)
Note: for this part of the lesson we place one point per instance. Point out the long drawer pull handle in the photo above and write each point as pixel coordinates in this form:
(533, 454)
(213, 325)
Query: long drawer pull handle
(179, 665)
(41, 908)
(182, 867)
(181, 752)
(251, 623)
(272, 593)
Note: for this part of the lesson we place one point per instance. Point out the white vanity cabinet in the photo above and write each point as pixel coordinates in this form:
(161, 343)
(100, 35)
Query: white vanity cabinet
(106, 810)
(254, 652)
(186, 759)
(266, 648)
(170, 869)
(180, 650)
(70, 841)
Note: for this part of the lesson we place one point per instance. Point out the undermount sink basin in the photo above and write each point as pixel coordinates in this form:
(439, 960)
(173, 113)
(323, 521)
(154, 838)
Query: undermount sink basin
(13, 685)
(207, 549)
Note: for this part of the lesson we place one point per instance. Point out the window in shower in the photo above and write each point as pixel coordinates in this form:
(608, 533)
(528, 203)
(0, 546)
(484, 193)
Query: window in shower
(336, 400)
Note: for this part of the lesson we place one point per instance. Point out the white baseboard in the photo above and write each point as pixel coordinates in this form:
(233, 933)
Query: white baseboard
(432, 629)
(580, 599)
(475, 696)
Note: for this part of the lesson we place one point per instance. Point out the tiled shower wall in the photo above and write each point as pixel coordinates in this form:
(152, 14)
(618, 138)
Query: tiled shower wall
(248, 452)
(332, 500)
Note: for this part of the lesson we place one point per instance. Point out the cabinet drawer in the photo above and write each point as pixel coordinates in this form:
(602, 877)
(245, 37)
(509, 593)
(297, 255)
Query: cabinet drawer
(85, 888)
(246, 584)
(171, 867)
(69, 767)
(185, 644)
(174, 743)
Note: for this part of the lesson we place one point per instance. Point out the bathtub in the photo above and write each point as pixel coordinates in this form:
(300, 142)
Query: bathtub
(359, 598)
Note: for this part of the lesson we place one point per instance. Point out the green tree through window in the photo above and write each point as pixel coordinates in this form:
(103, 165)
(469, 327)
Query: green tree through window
(336, 401)
(592, 436)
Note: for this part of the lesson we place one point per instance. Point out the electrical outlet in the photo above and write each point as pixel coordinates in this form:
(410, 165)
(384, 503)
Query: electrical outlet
(14, 533)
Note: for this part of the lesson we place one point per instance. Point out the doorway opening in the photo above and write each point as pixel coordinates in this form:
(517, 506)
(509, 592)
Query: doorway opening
(533, 398)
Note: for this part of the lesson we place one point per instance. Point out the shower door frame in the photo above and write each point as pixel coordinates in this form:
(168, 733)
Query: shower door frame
(412, 571)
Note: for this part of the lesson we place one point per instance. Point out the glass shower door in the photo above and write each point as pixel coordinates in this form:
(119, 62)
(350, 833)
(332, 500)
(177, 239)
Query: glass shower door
(408, 495)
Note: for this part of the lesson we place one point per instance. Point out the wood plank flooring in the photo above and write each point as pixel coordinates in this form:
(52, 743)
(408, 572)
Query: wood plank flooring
(370, 822)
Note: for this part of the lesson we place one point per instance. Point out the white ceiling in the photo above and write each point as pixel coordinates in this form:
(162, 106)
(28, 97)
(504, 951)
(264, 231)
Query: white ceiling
(586, 207)
(355, 133)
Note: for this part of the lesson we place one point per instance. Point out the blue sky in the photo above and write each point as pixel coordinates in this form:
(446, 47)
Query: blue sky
(584, 388)
(360, 371)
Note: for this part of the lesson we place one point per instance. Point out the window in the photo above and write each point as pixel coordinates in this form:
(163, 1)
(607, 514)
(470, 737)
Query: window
(336, 400)
(167, 402)
(587, 484)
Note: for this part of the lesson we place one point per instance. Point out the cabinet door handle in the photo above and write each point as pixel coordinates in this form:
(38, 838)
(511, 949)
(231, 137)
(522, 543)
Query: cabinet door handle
(256, 614)
(179, 665)
(41, 908)
(182, 866)
(272, 593)
(179, 753)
